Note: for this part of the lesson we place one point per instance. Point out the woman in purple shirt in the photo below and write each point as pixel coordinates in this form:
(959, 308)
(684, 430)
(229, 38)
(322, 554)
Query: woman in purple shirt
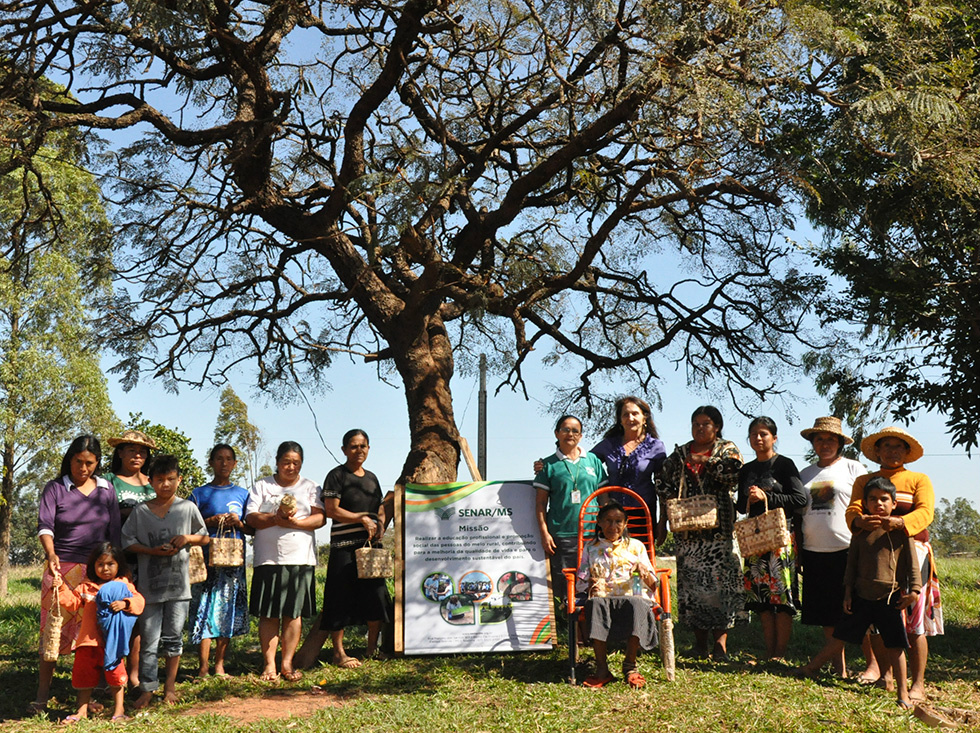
(77, 511)
(633, 453)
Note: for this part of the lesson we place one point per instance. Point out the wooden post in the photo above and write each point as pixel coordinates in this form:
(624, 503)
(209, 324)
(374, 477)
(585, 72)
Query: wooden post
(464, 447)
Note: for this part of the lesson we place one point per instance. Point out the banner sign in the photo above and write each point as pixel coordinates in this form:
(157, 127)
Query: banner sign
(475, 577)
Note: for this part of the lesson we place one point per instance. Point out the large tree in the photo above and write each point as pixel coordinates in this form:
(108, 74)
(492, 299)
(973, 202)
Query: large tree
(55, 250)
(416, 181)
(233, 427)
(889, 154)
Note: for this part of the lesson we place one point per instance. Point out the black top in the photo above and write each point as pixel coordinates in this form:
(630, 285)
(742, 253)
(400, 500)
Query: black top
(357, 494)
(780, 480)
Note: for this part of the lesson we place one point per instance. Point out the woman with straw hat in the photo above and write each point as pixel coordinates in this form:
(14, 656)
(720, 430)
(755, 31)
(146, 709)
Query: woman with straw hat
(892, 448)
(826, 535)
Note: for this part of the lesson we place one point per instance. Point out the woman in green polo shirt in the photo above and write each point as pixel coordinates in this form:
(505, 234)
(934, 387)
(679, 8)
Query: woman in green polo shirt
(565, 480)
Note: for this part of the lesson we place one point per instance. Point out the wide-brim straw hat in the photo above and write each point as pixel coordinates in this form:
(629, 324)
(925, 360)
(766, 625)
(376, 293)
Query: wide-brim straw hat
(915, 447)
(135, 437)
(830, 425)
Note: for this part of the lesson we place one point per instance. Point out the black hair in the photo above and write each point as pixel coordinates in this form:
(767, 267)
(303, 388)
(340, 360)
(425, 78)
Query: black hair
(767, 422)
(82, 444)
(221, 446)
(115, 463)
(713, 413)
(604, 510)
(351, 434)
(106, 548)
(289, 446)
(562, 419)
(882, 483)
(163, 463)
(617, 427)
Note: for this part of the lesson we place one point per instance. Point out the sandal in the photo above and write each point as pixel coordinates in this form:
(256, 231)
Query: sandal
(70, 720)
(120, 718)
(634, 679)
(293, 675)
(904, 705)
(596, 682)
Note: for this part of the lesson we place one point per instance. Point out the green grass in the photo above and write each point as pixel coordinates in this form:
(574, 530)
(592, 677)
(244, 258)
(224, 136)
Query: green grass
(527, 692)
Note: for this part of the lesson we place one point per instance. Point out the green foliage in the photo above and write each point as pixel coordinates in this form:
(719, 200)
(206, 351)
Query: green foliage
(174, 442)
(234, 428)
(955, 529)
(55, 250)
(887, 145)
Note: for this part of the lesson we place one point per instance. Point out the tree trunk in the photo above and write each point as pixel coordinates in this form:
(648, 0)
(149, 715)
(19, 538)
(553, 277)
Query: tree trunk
(6, 512)
(424, 358)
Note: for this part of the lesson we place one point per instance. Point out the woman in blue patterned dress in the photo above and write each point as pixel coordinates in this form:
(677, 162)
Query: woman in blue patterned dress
(222, 610)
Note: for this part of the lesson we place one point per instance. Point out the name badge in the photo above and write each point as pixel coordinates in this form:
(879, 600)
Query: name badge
(576, 497)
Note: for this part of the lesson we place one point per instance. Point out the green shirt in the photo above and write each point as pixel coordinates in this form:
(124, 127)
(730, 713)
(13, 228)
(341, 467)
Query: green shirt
(568, 484)
(124, 491)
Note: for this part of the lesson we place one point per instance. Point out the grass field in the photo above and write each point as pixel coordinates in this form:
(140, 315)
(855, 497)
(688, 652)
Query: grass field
(523, 692)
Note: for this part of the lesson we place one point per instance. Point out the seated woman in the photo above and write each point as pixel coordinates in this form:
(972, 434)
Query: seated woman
(619, 605)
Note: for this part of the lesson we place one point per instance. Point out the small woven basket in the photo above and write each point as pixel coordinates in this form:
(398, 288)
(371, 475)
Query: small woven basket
(196, 568)
(226, 550)
(764, 533)
(691, 513)
(51, 639)
(374, 562)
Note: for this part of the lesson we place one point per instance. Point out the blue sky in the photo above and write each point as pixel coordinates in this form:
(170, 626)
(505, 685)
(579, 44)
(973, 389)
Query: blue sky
(518, 431)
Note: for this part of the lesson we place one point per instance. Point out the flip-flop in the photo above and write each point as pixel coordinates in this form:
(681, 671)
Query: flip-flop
(866, 681)
(596, 682)
(120, 718)
(70, 720)
(348, 663)
(293, 675)
(635, 680)
(904, 705)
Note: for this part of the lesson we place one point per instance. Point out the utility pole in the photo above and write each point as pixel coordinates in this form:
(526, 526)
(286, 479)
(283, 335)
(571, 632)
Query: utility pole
(481, 436)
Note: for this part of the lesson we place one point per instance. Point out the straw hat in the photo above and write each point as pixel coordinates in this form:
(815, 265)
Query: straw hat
(135, 437)
(868, 444)
(827, 425)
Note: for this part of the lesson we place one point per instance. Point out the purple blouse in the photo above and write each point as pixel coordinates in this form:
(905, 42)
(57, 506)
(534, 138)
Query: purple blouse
(78, 522)
(635, 471)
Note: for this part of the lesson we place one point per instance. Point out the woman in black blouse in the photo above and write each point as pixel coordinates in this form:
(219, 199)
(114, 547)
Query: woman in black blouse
(352, 498)
(770, 481)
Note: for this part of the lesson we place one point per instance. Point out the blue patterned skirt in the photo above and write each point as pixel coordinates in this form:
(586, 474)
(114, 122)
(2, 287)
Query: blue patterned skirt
(222, 610)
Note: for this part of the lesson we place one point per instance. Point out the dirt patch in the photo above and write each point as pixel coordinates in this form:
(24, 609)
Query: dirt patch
(275, 705)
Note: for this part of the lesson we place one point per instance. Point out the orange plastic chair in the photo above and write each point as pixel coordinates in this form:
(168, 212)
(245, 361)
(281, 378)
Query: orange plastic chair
(640, 526)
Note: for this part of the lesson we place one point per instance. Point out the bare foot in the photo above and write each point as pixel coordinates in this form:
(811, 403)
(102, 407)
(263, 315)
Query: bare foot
(219, 670)
(292, 675)
(170, 697)
(346, 662)
(145, 699)
(202, 672)
(917, 694)
(269, 675)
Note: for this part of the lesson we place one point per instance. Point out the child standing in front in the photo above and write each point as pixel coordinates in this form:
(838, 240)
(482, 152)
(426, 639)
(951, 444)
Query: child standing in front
(160, 532)
(109, 604)
(880, 581)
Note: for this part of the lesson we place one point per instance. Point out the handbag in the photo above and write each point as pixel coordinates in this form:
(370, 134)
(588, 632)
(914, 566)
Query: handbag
(691, 513)
(196, 569)
(51, 639)
(373, 562)
(226, 550)
(764, 533)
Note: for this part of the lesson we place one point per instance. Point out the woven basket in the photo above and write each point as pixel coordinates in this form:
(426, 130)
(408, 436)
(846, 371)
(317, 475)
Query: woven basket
(691, 513)
(374, 562)
(196, 568)
(51, 639)
(226, 550)
(764, 533)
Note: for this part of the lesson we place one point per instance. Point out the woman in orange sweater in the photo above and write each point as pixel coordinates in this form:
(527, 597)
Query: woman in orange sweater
(101, 603)
(892, 448)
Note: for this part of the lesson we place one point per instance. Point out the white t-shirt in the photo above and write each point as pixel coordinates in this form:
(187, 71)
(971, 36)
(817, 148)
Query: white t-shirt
(824, 526)
(280, 545)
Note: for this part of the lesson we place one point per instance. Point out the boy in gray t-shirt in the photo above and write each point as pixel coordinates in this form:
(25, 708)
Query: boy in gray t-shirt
(160, 532)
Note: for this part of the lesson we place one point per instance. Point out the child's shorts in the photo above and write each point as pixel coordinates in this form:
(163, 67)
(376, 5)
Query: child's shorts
(86, 672)
(887, 619)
